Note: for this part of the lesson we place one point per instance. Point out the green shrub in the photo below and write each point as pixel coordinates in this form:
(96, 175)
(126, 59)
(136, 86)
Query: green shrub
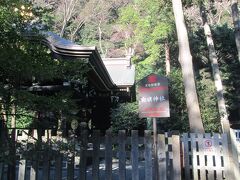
(125, 117)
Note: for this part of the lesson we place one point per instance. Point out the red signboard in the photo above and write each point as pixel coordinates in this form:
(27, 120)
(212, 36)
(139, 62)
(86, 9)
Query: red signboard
(153, 96)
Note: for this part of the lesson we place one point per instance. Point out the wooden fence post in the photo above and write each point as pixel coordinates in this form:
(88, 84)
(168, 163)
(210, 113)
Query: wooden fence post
(235, 152)
(209, 158)
(70, 166)
(176, 156)
(186, 153)
(1, 170)
(194, 155)
(12, 165)
(162, 160)
(58, 166)
(122, 154)
(217, 151)
(148, 155)
(134, 155)
(83, 158)
(22, 169)
(201, 157)
(95, 160)
(227, 158)
(34, 168)
(108, 155)
(46, 166)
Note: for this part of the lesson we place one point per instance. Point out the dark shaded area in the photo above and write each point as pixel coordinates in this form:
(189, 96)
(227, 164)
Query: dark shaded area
(101, 113)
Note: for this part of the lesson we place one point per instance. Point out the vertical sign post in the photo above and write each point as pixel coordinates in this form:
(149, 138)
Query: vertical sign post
(154, 102)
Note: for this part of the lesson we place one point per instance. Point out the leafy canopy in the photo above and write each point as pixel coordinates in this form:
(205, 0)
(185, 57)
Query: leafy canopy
(26, 62)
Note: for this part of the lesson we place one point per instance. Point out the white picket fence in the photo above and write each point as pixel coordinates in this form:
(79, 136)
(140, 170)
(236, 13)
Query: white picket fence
(205, 156)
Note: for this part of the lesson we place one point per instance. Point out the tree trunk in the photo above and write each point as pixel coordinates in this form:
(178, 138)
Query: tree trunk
(236, 22)
(100, 40)
(79, 26)
(59, 126)
(13, 116)
(167, 57)
(63, 28)
(3, 111)
(216, 73)
(3, 121)
(185, 59)
(68, 13)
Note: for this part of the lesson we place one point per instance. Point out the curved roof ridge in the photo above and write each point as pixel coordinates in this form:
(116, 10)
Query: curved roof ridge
(66, 48)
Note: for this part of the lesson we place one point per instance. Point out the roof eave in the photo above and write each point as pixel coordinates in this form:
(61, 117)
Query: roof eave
(67, 49)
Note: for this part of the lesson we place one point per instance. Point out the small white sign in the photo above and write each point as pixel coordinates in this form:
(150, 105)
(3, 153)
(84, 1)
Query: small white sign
(208, 145)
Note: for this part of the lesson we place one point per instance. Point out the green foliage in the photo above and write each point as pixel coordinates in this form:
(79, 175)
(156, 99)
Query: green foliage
(178, 110)
(128, 16)
(229, 67)
(152, 23)
(24, 118)
(205, 85)
(26, 62)
(223, 37)
(208, 103)
(125, 117)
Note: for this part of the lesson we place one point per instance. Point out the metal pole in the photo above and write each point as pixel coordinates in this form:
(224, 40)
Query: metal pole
(155, 149)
